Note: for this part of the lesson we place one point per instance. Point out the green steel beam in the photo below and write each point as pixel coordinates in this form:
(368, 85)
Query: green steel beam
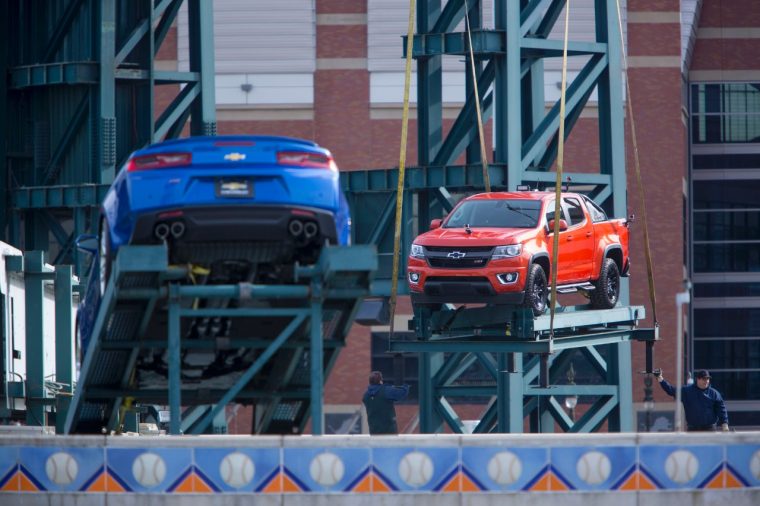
(43, 197)
(201, 30)
(175, 361)
(64, 341)
(254, 368)
(35, 275)
(55, 42)
(317, 359)
(54, 74)
(86, 70)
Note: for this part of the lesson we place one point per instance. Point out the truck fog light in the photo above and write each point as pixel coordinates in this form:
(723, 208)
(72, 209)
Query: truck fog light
(414, 277)
(507, 278)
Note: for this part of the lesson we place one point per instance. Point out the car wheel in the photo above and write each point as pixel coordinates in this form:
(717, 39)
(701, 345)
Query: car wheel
(536, 290)
(607, 287)
(104, 256)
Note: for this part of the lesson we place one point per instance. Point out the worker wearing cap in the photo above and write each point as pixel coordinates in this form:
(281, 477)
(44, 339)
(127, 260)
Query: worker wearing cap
(703, 405)
(379, 399)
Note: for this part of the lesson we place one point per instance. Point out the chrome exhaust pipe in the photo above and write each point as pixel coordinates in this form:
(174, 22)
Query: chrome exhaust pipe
(161, 231)
(178, 229)
(310, 229)
(295, 228)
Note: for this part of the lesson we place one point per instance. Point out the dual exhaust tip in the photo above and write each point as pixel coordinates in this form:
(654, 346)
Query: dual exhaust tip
(303, 230)
(300, 230)
(163, 230)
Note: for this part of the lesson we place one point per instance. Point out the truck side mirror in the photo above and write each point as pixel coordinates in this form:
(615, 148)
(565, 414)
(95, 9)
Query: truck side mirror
(562, 226)
(87, 243)
(436, 223)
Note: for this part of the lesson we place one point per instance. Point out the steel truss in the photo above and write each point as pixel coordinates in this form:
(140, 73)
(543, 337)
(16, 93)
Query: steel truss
(83, 93)
(287, 336)
(509, 63)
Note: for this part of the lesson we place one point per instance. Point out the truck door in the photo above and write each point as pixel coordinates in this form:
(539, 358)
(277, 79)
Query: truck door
(579, 240)
(564, 259)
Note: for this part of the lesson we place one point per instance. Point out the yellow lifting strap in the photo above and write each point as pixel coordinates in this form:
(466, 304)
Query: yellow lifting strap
(483, 157)
(558, 183)
(637, 164)
(401, 165)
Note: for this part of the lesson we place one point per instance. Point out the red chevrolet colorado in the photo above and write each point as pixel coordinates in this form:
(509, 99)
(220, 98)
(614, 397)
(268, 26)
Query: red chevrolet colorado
(497, 248)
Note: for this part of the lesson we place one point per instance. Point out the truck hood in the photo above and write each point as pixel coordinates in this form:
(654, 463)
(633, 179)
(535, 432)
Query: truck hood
(478, 237)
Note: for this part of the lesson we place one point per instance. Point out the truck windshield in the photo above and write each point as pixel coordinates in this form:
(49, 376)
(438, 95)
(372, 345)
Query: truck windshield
(502, 213)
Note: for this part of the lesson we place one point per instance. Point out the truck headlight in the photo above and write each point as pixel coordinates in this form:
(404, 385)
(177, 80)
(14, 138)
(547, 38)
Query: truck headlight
(417, 251)
(508, 251)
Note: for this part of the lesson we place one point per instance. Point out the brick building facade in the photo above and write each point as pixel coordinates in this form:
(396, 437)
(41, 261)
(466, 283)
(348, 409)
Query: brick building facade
(665, 58)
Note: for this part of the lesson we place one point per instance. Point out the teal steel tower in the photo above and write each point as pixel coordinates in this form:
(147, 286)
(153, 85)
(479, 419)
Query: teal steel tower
(83, 92)
(509, 63)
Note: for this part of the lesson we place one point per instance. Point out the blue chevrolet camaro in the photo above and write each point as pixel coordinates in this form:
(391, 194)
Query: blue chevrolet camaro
(245, 208)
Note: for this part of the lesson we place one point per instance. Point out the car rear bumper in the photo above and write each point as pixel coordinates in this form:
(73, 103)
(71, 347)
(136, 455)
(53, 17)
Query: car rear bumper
(237, 224)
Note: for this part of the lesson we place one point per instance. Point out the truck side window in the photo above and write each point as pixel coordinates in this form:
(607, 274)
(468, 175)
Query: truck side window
(575, 212)
(550, 214)
(596, 212)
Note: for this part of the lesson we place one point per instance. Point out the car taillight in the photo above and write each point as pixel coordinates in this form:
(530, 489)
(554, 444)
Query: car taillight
(159, 161)
(305, 159)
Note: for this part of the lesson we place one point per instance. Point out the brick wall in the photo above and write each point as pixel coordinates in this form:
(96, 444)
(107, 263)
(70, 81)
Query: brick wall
(655, 81)
(341, 121)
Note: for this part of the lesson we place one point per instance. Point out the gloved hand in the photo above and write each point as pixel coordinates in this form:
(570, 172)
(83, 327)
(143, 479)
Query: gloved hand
(658, 372)
(725, 427)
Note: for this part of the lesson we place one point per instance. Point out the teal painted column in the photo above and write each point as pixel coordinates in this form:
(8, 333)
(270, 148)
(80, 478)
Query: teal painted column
(317, 358)
(509, 393)
(430, 420)
(513, 126)
(64, 342)
(175, 365)
(105, 100)
(4, 125)
(429, 90)
(201, 37)
(34, 293)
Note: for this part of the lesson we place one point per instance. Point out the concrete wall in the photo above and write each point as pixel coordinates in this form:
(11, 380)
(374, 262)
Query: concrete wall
(443, 469)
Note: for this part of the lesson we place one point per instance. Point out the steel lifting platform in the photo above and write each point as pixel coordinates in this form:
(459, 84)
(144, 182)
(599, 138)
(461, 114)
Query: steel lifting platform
(525, 358)
(273, 345)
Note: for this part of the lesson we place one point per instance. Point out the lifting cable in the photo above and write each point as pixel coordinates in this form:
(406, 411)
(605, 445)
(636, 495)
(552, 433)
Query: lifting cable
(637, 164)
(483, 158)
(401, 166)
(558, 183)
(402, 154)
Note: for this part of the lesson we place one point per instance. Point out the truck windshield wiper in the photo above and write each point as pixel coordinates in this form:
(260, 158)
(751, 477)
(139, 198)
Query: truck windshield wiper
(520, 211)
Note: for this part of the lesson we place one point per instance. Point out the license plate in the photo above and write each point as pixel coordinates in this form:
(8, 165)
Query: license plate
(234, 188)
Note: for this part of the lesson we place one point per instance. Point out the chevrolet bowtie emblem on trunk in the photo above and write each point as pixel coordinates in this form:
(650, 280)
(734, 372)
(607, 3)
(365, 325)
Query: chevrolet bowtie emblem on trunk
(456, 255)
(234, 157)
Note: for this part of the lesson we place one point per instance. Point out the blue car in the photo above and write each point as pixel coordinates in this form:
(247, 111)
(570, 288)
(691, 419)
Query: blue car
(244, 208)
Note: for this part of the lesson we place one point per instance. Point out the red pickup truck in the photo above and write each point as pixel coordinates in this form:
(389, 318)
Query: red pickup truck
(497, 248)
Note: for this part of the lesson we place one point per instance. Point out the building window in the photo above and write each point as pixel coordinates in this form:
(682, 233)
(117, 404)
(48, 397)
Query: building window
(725, 113)
(725, 241)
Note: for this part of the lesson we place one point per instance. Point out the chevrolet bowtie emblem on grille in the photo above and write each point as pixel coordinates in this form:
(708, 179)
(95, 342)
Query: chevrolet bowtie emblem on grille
(234, 157)
(456, 255)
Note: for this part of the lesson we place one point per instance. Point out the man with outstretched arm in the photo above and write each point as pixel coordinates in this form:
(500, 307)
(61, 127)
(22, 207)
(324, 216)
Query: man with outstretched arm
(703, 405)
(380, 399)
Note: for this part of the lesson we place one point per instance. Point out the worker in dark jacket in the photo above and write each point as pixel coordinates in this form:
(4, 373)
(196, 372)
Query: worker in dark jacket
(379, 400)
(703, 405)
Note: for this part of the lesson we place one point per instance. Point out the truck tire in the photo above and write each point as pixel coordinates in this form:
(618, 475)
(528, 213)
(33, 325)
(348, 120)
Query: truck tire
(536, 290)
(607, 287)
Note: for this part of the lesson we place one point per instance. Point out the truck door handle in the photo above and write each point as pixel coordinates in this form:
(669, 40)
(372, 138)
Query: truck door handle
(588, 234)
(569, 237)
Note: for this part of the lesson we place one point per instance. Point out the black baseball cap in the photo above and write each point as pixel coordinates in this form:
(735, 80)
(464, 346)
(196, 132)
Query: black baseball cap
(703, 373)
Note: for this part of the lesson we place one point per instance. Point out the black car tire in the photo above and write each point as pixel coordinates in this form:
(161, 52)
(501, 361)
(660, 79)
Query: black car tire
(104, 256)
(536, 290)
(607, 287)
